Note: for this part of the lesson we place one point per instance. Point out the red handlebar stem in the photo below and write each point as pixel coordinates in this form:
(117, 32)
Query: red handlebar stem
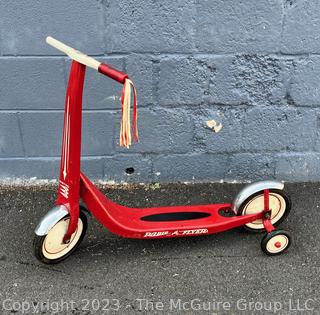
(112, 73)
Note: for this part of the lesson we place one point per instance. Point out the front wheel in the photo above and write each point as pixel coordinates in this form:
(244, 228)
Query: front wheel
(50, 248)
(279, 204)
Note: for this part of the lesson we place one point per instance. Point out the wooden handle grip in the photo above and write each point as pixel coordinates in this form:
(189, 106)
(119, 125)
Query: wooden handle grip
(73, 53)
(88, 61)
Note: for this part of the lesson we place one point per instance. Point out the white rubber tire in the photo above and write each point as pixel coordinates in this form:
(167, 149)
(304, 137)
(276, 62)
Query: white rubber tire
(276, 242)
(279, 204)
(51, 249)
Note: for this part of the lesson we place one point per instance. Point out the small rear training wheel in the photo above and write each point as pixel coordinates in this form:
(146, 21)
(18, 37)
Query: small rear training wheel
(279, 204)
(276, 242)
(50, 248)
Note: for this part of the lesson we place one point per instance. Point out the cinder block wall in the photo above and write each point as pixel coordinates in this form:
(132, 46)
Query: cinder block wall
(252, 65)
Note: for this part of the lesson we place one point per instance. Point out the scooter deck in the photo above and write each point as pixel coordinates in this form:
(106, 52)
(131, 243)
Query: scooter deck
(159, 222)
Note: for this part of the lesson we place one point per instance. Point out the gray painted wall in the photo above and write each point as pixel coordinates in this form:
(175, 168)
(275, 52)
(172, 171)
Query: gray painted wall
(252, 65)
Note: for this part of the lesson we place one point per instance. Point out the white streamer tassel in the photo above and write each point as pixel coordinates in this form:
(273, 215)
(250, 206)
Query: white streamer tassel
(125, 129)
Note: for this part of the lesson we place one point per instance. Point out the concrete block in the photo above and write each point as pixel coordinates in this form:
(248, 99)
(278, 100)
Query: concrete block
(44, 168)
(237, 167)
(185, 80)
(149, 26)
(228, 80)
(228, 139)
(42, 133)
(190, 167)
(276, 129)
(301, 27)
(304, 87)
(224, 85)
(250, 167)
(24, 27)
(32, 83)
(298, 167)
(256, 129)
(98, 133)
(128, 168)
(161, 130)
(93, 167)
(259, 79)
(140, 69)
(247, 26)
(10, 137)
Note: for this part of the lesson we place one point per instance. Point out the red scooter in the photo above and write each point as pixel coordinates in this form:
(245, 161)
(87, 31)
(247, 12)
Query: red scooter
(258, 207)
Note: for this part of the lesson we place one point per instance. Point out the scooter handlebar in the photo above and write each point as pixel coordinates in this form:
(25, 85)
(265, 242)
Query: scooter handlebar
(88, 61)
(112, 73)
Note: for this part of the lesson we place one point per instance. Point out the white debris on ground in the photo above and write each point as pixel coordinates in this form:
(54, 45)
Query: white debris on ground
(27, 181)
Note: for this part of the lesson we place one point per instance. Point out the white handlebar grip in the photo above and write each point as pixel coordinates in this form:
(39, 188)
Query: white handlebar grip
(58, 45)
(73, 53)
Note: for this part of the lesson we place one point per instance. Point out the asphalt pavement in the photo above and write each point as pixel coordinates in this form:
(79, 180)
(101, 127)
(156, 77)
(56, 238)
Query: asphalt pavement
(225, 273)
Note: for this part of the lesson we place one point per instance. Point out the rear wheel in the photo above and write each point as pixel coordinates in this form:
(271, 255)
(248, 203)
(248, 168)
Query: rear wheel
(279, 204)
(50, 248)
(276, 242)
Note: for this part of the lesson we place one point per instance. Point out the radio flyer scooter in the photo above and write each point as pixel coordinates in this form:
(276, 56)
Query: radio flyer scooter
(258, 207)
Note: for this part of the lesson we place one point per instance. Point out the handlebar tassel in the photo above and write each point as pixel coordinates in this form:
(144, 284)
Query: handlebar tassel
(128, 91)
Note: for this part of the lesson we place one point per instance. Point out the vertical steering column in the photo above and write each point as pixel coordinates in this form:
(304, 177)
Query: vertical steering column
(69, 181)
(267, 213)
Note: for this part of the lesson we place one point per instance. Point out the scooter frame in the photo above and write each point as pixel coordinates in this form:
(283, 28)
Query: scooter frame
(133, 222)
